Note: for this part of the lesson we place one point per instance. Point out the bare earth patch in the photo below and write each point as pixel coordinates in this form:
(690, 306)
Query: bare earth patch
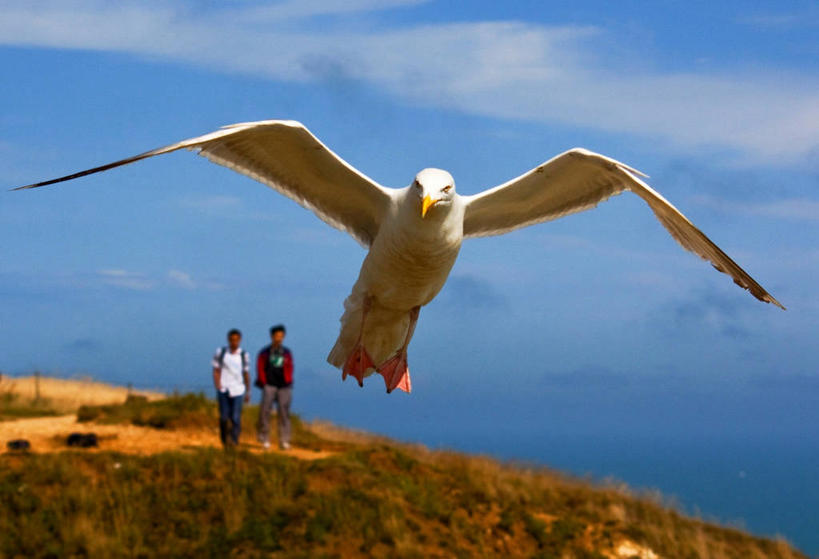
(48, 434)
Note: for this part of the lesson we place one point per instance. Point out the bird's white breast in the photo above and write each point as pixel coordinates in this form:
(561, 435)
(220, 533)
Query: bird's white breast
(411, 257)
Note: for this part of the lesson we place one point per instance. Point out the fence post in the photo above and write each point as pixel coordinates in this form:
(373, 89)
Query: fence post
(37, 386)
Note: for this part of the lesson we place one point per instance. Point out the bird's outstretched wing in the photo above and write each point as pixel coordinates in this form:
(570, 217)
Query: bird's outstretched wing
(285, 156)
(578, 180)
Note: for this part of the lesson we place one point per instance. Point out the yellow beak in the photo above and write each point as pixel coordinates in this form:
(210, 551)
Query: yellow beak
(427, 204)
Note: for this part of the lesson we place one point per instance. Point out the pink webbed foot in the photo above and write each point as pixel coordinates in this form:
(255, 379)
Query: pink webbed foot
(357, 364)
(396, 373)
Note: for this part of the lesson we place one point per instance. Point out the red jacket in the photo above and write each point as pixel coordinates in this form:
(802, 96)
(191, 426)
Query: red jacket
(263, 361)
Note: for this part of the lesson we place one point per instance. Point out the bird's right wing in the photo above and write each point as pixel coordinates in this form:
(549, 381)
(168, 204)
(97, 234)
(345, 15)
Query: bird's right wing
(285, 156)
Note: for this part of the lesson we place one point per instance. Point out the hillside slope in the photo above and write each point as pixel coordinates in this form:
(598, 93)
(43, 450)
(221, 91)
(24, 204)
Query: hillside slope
(361, 496)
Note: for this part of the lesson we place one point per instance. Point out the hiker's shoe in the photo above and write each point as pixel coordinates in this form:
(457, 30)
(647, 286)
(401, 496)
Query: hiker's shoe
(266, 445)
(284, 446)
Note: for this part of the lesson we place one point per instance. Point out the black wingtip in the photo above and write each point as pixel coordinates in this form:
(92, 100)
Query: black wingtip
(777, 303)
(52, 181)
(26, 187)
(37, 185)
(101, 168)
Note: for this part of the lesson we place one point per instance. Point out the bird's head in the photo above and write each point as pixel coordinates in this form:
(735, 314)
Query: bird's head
(433, 187)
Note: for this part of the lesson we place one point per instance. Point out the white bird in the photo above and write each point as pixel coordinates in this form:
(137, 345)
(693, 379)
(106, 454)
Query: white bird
(414, 233)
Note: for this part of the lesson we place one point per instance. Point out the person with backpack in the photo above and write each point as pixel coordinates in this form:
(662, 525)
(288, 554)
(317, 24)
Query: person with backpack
(231, 377)
(274, 370)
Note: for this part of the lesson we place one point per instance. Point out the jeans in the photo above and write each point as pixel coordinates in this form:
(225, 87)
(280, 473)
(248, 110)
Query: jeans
(230, 412)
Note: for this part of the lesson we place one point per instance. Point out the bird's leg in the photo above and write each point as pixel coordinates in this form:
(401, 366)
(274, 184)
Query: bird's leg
(359, 360)
(395, 370)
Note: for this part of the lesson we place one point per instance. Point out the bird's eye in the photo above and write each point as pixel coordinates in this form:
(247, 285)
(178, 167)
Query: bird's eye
(417, 184)
(447, 188)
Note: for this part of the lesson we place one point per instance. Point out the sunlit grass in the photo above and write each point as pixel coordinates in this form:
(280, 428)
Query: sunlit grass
(12, 406)
(66, 395)
(370, 498)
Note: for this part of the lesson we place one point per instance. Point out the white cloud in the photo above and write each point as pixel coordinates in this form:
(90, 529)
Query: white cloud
(498, 69)
(783, 21)
(223, 207)
(181, 279)
(791, 209)
(126, 279)
(139, 281)
(293, 9)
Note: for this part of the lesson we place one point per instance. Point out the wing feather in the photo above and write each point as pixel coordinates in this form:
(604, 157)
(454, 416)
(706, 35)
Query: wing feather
(285, 156)
(578, 180)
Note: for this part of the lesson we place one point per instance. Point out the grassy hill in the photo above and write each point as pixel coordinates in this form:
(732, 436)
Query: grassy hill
(356, 496)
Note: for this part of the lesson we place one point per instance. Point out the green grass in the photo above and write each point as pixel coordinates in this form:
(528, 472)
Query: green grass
(14, 407)
(369, 499)
(372, 501)
(168, 413)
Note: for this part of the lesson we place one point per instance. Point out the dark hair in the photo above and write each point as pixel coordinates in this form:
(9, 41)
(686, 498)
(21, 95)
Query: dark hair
(234, 331)
(277, 328)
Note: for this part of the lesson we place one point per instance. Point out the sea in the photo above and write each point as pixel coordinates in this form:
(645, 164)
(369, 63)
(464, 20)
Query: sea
(742, 454)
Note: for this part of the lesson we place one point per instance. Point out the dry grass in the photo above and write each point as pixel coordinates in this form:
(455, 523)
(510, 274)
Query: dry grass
(362, 496)
(327, 430)
(67, 395)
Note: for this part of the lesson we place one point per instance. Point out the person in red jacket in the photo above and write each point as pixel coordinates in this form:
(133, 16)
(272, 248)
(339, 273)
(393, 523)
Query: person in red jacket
(274, 375)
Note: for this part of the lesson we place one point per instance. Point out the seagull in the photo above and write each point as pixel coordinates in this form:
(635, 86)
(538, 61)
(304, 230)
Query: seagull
(413, 234)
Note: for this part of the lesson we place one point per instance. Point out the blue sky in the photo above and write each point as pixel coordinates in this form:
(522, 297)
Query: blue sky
(595, 323)
(135, 274)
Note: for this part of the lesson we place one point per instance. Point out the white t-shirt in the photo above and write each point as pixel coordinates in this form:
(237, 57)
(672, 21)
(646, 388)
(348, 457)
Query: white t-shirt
(232, 380)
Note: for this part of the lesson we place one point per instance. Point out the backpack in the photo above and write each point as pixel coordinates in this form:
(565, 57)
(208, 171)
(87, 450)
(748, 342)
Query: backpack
(222, 358)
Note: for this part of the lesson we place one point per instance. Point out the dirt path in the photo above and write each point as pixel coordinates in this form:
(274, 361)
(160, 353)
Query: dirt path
(48, 434)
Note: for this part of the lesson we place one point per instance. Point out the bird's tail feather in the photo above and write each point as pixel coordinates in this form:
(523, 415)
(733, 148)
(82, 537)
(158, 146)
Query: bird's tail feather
(384, 331)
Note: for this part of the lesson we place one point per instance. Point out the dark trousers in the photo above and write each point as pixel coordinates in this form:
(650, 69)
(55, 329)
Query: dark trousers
(230, 417)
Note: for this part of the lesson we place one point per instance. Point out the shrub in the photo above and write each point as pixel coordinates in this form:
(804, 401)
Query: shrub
(167, 413)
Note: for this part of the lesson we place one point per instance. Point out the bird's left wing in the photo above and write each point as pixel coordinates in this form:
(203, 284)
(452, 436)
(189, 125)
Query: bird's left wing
(579, 180)
(285, 156)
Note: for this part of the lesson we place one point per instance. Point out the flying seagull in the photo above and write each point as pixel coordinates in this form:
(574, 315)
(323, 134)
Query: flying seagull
(414, 233)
